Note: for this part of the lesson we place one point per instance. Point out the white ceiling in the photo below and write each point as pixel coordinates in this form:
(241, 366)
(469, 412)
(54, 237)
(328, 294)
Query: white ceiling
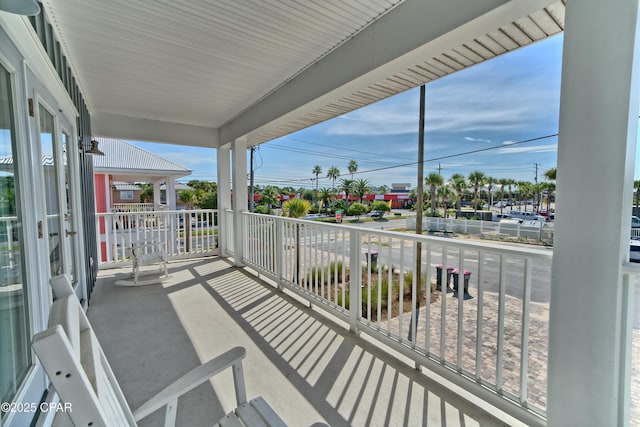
(225, 63)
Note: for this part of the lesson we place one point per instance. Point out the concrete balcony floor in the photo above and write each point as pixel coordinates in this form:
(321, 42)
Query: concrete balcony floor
(309, 367)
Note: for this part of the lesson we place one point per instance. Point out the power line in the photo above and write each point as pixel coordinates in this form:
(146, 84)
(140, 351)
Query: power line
(346, 149)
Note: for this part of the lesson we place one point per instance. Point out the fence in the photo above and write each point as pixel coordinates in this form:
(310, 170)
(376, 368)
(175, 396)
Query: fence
(187, 233)
(493, 344)
(532, 230)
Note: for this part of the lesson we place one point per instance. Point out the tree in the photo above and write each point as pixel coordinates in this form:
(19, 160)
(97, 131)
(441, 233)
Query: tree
(636, 186)
(188, 197)
(333, 173)
(326, 194)
(357, 209)
(296, 208)
(380, 206)
(433, 180)
(525, 190)
(459, 186)
(209, 201)
(550, 174)
(353, 167)
(445, 193)
(503, 182)
(510, 182)
(360, 188)
(549, 188)
(476, 178)
(346, 186)
(269, 196)
(317, 170)
(489, 181)
(383, 189)
(146, 195)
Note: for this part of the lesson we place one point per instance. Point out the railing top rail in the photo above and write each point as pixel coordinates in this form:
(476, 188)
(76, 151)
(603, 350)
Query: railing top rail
(485, 246)
(155, 212)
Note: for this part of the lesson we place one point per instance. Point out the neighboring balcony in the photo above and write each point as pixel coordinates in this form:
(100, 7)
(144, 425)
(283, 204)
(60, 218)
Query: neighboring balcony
(489, 340)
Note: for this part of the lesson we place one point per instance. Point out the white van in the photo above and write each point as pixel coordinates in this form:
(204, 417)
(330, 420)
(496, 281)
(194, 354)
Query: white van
(527, 216)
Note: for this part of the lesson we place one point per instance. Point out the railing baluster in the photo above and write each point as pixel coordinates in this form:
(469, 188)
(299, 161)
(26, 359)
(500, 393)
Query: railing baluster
(460, 308)
(501, 312)
(443, 305)
(401, 296)
(480, 318)
(524, 342)
(427, 317)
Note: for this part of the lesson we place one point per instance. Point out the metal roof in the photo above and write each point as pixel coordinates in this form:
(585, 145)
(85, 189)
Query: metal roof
(205, 73)
(121, 158)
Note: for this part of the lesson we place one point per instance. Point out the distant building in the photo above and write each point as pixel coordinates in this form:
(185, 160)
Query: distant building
(124, 164)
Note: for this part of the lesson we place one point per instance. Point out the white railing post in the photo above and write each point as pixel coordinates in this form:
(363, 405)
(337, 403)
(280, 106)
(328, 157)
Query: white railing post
(279, 244)
(355, 280)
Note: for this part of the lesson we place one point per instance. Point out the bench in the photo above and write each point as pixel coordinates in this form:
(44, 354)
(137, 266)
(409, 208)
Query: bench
(80, 373)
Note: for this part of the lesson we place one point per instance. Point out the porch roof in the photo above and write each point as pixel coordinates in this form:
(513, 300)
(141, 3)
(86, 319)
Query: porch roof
(208, 73)
(130, 163)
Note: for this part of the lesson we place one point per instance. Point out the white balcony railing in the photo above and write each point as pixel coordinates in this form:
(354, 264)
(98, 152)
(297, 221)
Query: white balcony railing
(494, 344)
(187, 233)
(138, 207)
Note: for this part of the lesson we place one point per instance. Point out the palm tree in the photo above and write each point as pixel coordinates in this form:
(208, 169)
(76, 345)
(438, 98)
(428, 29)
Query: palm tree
(433, 180)
(326, 194)
(269, 196)
(459, 186)
(489, 181)
(636, 186)
(476, 178)
(360, 187)
(353, 167)
(503, 182)
(317, 170)
(333, 174)
(550, 174)
(346, 186)
(510, 182)
(549, 187)
(524, 190)
(296, 208)
(383, 189)
(445, 193)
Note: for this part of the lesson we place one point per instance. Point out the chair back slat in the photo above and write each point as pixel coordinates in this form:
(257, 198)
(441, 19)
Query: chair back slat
(77, 367)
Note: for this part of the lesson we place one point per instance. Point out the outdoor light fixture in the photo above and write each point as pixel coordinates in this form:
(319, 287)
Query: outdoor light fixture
(94, 150)
(20, 7)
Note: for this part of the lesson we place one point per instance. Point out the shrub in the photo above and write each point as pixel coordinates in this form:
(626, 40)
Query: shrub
(262, 209)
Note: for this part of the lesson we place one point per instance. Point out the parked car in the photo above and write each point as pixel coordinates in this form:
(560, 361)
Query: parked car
(376, 214)
(525, 216)
(635, 222)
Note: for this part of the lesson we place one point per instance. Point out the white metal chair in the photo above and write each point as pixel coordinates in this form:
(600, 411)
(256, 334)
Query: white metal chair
(80, 373)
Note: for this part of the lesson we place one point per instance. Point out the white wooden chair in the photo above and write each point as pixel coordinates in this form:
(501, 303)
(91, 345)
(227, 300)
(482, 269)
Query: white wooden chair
(80, 373)
(143, 254)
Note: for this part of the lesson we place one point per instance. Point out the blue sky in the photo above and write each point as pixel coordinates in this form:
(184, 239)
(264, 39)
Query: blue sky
(512, 98)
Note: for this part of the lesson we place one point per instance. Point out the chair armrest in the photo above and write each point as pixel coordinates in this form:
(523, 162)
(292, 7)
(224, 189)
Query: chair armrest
(197, 376)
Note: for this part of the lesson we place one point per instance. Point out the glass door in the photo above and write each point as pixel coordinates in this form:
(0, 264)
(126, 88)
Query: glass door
(15, 354)
(54, 228)
(70, 232)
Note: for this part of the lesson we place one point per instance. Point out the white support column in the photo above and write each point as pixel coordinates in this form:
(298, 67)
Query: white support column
(596, 156)
(171, 193)
(156, 193)
(240, 195)
(224, 196)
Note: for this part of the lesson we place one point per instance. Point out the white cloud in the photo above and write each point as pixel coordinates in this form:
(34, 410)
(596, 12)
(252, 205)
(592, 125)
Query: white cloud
(468, 138)
(528, 149)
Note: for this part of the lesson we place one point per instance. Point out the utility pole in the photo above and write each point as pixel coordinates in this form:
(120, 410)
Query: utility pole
(535, 189)
(535, 166)
(251, 200)
(419, 207)
(439, 169)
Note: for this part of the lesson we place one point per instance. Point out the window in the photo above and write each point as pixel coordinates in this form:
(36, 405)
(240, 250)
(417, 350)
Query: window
(15, 357)
(126, 195)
